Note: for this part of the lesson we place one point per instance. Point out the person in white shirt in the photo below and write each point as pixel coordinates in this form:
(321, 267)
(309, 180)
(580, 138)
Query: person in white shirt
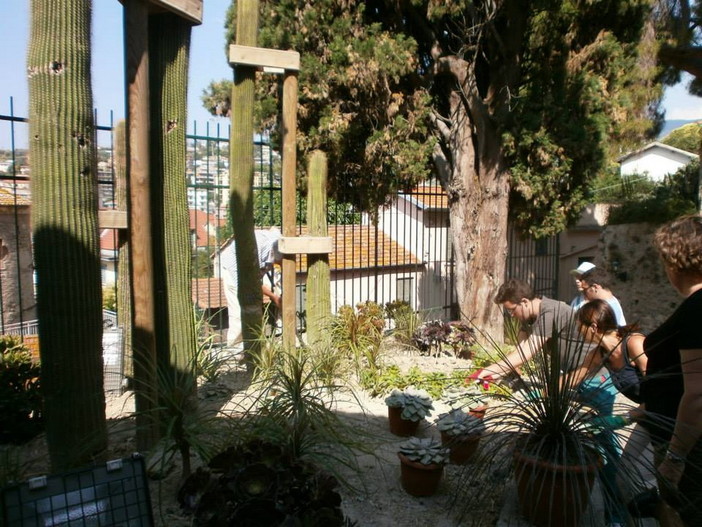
(577, 274)
(596, 286)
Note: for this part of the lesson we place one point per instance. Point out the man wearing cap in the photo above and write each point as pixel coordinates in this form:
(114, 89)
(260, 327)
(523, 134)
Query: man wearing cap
(577, 273)
(268, 254)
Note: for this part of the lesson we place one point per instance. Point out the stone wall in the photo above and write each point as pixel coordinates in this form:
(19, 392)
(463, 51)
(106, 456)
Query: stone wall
(639, 279)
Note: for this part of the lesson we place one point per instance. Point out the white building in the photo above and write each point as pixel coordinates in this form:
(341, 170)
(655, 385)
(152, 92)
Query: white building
(655, 160)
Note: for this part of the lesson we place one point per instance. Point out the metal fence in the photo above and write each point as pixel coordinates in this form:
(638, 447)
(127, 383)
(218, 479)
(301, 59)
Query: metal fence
(405, 255)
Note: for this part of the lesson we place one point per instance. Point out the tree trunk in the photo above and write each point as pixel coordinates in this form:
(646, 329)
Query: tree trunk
(478, 193)
(169, 46)
(241, 182)
(65, 229)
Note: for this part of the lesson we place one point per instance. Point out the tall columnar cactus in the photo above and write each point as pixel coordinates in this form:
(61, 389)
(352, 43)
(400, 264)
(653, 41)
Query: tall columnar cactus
(318, 287)
(63, 164)
(124, 291)
(241, 181)
(169, 47)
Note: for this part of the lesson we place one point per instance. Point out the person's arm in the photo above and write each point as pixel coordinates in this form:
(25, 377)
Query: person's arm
(688, 423)
(635, 350)
(589, 367)
(525, 351)
(270, 294)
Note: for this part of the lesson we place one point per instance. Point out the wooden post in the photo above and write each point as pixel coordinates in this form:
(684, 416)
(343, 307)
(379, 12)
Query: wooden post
(143, 345)
(289, 198)
(318, 281)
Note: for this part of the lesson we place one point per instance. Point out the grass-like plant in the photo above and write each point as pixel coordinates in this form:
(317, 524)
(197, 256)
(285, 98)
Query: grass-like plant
(293, 409)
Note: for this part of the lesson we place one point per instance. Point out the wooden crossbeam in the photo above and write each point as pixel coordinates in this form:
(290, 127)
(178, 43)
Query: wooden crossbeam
(305, 245)
(112, 219)
(264, 58)
(189, 9)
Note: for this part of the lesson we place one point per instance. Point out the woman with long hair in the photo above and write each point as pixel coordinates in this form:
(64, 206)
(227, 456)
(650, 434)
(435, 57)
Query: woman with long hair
(619, 349)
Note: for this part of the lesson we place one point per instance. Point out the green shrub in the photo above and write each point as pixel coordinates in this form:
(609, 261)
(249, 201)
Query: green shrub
(643, 201)
(20, 393)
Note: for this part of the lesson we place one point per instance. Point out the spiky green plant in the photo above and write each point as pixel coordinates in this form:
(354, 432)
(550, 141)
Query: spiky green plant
(65, 230)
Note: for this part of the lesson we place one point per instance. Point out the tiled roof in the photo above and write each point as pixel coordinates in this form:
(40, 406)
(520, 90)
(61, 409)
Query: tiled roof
(108, 239)
(355, 248)
(428, 197)
(8, 198)
(205, 227)
(208, 293)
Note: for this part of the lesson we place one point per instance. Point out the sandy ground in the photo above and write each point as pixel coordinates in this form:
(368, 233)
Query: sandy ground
(378, 500)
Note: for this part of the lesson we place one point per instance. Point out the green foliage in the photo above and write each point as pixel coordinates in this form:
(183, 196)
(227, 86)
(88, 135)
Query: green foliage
(566, 87)
(583, 86)
(426, 450)
(109, 298)
(641, 200)
(268, 209)
(382, 381)
(405, 321)
(358, 333)
(21, 399)
(294, 412)
(685, 137)
(203, 266)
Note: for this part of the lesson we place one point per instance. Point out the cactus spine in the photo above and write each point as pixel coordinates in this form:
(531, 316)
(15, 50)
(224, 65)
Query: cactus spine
(65, 228)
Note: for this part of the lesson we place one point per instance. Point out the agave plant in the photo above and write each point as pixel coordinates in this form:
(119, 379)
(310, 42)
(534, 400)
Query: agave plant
(425, 450)
(416, 404)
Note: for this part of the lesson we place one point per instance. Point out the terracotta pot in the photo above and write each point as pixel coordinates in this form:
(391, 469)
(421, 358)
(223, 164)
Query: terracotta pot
(418, 479)
(553, 495)
(398, 425)
(461, 448)
(478, 411)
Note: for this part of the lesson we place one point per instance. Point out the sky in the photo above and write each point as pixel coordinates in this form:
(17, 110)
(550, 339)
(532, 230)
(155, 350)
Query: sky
(207, 63)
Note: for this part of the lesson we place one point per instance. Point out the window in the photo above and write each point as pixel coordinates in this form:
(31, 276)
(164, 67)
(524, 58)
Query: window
(405, 290)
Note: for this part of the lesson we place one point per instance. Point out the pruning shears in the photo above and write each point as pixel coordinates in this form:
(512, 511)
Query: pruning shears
(484, 382)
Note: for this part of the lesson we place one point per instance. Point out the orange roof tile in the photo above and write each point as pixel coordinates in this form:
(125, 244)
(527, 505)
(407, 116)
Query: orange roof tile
(428, 197)
(11, 199)
(359, 247)
(208, 293)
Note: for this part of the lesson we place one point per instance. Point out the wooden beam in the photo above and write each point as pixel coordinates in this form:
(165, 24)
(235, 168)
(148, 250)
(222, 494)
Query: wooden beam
(306, 245)
(112, 219)
(264, 58)
(189, 9)
(289, 192)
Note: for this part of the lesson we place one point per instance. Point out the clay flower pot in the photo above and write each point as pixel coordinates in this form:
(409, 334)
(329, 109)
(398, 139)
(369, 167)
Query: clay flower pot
(478, 411)
(418, 479)
(461, 448)
(552, 495)
(398, 425)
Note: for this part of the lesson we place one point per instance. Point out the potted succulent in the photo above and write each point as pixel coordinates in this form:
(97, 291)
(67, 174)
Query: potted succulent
(461, 433)
(471, 398)
(406, 408)
(422, 463)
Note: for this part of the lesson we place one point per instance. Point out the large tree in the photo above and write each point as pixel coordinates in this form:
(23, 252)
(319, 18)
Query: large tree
(513, 105)
(65, 231)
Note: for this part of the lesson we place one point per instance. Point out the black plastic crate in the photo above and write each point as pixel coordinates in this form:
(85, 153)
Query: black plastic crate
(113, 494)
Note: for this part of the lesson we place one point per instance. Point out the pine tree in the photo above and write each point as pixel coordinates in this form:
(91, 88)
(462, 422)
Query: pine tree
(65, 230)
